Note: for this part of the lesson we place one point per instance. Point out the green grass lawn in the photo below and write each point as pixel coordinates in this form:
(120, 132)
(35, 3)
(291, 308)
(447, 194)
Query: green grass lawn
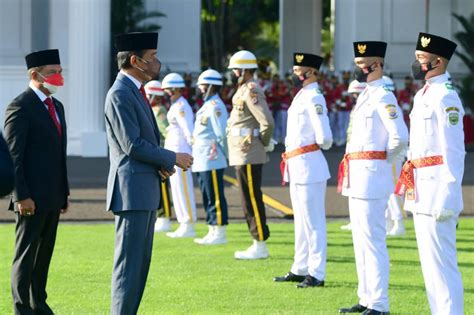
(188, 278)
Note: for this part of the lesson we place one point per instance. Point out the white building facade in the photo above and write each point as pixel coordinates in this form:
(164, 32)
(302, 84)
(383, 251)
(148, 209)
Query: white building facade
(80, 29)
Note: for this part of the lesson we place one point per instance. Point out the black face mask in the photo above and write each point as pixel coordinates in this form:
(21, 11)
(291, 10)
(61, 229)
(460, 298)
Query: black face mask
(361, 74)
(297, 81)
(418, 72)
(234, 78)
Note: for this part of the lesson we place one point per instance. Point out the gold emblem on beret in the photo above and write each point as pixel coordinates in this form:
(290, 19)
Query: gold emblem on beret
(425, 41)
(299, 58)
(361, 48)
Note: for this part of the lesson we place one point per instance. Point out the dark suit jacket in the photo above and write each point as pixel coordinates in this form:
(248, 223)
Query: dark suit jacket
(6, 169)
(38, 152)
(134, 147)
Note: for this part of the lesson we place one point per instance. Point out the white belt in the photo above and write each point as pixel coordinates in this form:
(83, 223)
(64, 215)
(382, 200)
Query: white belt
(203, 141)
(243, 132)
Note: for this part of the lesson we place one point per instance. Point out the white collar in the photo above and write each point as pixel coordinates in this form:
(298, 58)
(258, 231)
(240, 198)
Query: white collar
(376, 83)
(312, 85)
(137, 83)
(38, 92)
(438, 79)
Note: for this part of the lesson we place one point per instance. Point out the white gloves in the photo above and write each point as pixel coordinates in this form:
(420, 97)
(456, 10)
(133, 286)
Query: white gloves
(271, 146)
(326, 145)
(443, 214)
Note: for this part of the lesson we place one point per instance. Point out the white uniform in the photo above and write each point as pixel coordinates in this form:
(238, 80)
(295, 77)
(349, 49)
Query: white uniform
(308, 173)
(178, 139)
(376, 125)
(437, 129)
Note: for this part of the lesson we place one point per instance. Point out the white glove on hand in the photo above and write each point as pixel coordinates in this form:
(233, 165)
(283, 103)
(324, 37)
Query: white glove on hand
(443, 214)
(326, 145)
(271, 146)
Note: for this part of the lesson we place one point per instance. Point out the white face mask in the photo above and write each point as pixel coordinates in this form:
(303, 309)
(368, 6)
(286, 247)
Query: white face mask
(51, 88)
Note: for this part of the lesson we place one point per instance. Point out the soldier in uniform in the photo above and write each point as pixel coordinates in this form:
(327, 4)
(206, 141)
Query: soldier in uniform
(154, 94)
(210, 152)
(179, 139)
(249, 131)
(433, 174)
(378, 138)
(305, 167)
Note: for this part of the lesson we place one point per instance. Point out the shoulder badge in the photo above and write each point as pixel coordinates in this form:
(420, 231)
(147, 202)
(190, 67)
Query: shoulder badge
(204, 120)
(213, 102)
(319, 109)
(254, 100)
(251, 85)
(449, 86)
(453, 118)
(453, 115)
(387, 88)
(452, 108)
(182, 113)
(392, 111)
(218, 113)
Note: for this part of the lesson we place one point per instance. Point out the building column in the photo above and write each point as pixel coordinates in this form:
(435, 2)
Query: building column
(300, 30)
(89, 53)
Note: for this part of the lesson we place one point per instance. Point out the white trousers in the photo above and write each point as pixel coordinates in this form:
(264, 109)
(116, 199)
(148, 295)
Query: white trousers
(182, 191)
(308, 201)
(370, 249)
(437, 249)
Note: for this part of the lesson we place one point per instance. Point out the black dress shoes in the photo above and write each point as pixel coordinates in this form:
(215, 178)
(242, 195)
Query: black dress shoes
(353, 309)
(289, 277)
(310, 282)
(374, 312)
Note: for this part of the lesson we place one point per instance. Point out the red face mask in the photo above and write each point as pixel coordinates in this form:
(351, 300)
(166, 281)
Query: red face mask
(54, 79)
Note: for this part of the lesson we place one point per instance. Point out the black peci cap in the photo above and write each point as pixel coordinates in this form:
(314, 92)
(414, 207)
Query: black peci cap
(136, 41)
(370, 49)
(307, 60)
(436, 45)
(42, 58)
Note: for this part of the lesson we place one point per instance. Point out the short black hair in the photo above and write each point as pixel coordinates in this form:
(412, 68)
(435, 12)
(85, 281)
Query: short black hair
(123, 58)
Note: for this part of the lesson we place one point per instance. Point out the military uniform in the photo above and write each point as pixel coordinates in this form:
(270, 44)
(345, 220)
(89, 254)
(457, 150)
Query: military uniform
(432, 179)
(249, 130)
(162, 121)
(209, 152)
(378, 136)
(179, 139)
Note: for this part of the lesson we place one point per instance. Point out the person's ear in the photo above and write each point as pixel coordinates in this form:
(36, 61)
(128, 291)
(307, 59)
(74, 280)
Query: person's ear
(133, 60)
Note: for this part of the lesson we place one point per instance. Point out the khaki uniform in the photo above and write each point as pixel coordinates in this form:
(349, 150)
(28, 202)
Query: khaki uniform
(250, 126)
(249, 130)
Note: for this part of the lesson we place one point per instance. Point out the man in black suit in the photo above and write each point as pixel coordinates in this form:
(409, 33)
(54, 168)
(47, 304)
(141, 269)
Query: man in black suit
(35, 131)
(6, 169)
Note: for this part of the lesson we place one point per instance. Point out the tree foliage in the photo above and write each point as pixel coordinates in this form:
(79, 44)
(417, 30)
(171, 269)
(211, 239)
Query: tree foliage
(466, 40)
(231, 25)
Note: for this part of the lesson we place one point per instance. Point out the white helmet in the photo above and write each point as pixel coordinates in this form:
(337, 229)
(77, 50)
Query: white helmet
(153, 87)
(356, 87)
(210, 76)
(172, 80)
(243, 59)
(389, 83)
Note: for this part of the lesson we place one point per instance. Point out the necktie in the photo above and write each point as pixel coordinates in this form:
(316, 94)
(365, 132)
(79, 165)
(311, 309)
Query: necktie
(142, 90)
(52, 112)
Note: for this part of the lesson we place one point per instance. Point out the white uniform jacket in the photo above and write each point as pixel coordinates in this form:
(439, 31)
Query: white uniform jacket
(181, 126)
(209, 133)
(308, 123)
(376, 125)
(437, 129)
